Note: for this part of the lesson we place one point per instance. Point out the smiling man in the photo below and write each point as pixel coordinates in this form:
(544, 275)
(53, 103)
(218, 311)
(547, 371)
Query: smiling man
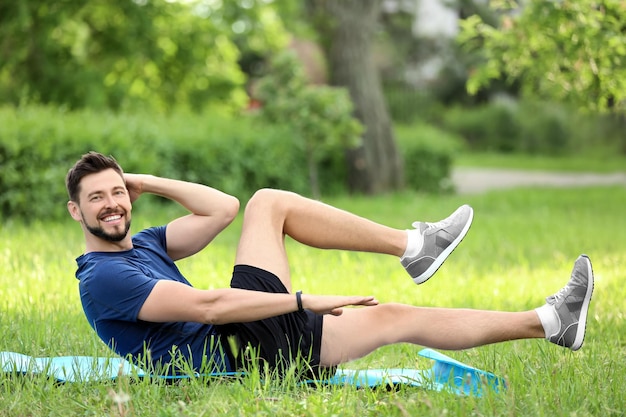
(139, 303)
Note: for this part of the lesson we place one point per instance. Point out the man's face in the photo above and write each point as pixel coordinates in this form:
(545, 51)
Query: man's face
(104, 208)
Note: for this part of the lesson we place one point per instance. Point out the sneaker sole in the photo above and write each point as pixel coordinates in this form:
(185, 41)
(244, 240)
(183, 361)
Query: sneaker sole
(582, 323)
(439, 260)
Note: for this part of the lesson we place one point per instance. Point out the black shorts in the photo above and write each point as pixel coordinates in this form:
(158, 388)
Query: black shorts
(278, 341)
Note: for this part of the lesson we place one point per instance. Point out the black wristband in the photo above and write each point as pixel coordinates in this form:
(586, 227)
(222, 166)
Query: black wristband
(299, 300)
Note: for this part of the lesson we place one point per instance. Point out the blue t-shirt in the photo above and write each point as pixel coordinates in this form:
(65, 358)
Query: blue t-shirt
(113, 287)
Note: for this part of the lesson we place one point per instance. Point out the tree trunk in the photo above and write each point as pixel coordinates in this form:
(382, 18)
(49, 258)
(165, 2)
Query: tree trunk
(348, 27)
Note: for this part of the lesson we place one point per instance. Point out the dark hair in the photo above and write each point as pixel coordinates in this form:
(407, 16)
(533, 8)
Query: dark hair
(89, 163)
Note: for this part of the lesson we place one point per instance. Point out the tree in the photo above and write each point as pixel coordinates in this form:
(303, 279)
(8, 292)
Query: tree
(568, 50)
(118, 54)
(347, 29)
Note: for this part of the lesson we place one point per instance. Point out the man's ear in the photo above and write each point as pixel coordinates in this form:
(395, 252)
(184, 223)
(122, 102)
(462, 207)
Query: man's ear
(72, 207)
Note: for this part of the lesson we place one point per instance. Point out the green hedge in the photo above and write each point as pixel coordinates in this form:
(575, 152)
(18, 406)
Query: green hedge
(428, 156)
(532, 128)
(237, 155)
(38, 145)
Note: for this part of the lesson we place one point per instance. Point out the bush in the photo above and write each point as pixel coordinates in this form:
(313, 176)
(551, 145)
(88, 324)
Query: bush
(532, 128)
(486, 127)
(544, 129)
(39, 144)
(321, 117)
(428, 156)
(237, 156)
(407, 105)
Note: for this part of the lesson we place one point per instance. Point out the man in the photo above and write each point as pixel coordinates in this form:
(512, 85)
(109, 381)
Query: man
(139, 303)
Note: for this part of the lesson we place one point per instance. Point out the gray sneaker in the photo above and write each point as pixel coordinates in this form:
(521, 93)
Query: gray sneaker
(571, 304)
(440, 239)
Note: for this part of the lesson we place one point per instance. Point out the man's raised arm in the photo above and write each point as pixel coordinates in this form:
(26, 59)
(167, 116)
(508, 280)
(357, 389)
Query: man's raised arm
(210, 211)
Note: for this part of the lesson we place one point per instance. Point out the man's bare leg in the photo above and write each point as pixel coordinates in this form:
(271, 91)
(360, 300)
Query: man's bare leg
(360, 331)
(562, 321)
(272, 214)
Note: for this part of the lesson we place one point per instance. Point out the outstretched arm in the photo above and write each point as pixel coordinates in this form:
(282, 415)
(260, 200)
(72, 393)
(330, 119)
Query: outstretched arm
(174, 301)
(211, 211)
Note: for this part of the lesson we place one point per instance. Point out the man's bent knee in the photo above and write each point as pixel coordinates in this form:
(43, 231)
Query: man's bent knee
(267, 199)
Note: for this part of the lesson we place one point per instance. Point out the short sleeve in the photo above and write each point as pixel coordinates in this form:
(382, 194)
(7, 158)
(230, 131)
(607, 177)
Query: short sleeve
(116, 291)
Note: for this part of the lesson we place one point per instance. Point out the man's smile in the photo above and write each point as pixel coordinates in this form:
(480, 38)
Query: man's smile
(111, 218)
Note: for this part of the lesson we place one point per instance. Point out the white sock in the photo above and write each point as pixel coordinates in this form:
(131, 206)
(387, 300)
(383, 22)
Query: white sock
(549, 319)
(414, 244)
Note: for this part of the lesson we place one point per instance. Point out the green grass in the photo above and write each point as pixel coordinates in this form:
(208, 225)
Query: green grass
(520, 249)
(577, 163)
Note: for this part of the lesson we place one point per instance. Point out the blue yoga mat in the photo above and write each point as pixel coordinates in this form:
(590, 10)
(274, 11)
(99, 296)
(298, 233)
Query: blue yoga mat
(446, 374)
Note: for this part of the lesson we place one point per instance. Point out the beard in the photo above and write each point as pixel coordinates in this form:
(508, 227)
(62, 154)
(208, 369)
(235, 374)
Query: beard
(98, 231)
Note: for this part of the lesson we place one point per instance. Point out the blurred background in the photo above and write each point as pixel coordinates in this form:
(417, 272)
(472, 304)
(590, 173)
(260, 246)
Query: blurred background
(320, 97)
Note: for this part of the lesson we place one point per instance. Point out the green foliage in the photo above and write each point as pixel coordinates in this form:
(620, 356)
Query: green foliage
(121, 54)
(570, 50)
(238, 156)
(257, 29)
(531, 127)
(320, 117)
(484, 127)
(409, 105)
(428, 156)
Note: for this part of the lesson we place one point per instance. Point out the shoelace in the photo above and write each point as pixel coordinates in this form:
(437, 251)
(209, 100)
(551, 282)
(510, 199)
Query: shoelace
(442, 224)
(561, 294)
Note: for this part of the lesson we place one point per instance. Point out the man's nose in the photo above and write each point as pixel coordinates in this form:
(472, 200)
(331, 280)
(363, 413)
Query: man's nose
(110, 201)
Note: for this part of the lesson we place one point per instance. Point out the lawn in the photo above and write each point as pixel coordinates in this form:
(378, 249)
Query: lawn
(520, 249)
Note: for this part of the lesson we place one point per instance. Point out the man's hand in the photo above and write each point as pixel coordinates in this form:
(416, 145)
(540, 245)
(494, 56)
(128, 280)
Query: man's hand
(134, 184)
(332, 304)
